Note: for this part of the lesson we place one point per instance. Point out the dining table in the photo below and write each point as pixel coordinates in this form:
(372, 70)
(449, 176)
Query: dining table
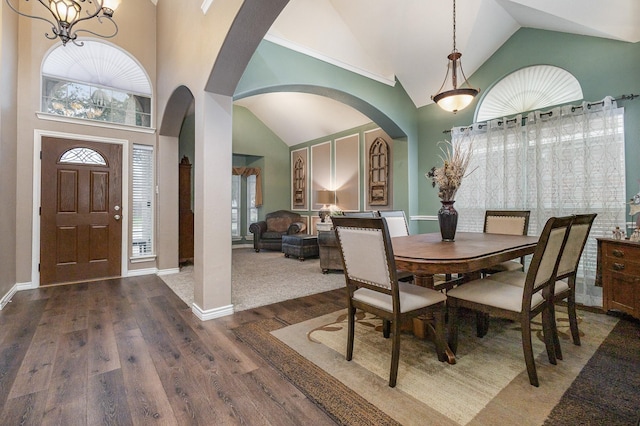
(427, 255)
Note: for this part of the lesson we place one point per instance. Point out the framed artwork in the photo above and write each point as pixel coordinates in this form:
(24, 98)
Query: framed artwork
(300, 179)
(378, 172)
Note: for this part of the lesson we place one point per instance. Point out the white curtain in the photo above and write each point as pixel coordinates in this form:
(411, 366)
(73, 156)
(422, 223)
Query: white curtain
(568, 160)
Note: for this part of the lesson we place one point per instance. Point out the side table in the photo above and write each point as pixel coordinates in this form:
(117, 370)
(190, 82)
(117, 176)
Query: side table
(330, 257)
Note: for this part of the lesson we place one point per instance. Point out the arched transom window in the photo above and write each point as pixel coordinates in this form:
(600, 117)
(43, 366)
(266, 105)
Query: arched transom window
(529, 89)
(98, 82)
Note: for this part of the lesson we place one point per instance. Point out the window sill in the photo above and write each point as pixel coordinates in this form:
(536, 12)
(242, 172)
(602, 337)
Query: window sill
(93, 123)
(141, 259)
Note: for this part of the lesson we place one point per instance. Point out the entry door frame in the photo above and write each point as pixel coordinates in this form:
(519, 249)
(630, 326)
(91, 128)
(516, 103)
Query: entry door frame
(38, 134)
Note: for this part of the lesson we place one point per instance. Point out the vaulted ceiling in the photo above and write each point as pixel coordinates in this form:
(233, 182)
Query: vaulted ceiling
(410, 40)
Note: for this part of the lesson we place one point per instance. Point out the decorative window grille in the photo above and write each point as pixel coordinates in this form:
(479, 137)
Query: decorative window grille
(83, 155)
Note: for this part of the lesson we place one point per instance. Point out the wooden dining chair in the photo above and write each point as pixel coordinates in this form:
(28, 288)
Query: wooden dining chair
(373, 286)
(396, 222)
(519, 303)
(565, 286)
(509, 222)
(398, 227)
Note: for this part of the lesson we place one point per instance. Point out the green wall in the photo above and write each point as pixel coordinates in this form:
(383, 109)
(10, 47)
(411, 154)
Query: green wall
(603, 67)
(252, 138)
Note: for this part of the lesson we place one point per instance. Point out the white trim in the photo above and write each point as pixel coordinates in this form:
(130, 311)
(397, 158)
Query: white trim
(7, 297)
(423, 217)
(161, 272)
(93, 123)
(210, 314)
(27, 286)
(388, 80)
(38, 134)
(142, 259)
(139, 272)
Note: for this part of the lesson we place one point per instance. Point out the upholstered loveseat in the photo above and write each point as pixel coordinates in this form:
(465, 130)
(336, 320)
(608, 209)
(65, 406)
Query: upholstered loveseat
(267, 233)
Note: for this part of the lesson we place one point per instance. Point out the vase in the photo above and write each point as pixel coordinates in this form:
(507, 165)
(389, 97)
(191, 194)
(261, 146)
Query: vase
(448, 220)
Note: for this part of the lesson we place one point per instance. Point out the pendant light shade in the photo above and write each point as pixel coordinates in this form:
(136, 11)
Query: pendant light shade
(456, 98)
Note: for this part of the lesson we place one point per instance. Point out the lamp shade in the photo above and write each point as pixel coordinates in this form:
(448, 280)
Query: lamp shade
(455, 100)
(326, 197)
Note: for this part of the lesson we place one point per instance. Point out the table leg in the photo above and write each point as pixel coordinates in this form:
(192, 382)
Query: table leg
(423, 326)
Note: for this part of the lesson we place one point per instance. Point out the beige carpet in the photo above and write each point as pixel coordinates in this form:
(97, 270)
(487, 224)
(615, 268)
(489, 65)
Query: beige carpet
(487, 386)
(259, 279)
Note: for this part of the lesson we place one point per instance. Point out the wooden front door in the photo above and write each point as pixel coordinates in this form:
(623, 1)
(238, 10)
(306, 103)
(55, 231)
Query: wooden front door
(81, 209)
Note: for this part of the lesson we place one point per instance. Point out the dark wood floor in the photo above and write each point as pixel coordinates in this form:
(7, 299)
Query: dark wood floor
(129, 351)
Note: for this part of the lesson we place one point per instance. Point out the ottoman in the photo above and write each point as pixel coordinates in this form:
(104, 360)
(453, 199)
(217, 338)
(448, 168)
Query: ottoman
(300, 246)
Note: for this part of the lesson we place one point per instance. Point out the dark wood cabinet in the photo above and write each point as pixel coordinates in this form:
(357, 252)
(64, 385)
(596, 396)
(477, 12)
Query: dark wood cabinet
(619, 275)
(185, 214)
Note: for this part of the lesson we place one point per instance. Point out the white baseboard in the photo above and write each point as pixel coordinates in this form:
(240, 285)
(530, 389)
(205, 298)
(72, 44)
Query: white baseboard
(138, 272)
(7, 297)
(26, 286)
(210, 314)
(237, 246)
(167, 271)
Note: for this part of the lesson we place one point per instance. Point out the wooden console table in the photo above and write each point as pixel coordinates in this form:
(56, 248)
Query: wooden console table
(618, 272)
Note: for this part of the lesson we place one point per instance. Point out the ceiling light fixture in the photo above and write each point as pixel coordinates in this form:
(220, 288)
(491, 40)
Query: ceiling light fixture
(67, 13)
(455, 99)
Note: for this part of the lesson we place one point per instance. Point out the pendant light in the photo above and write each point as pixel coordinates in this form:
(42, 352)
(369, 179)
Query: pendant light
(67, 14)
(455, 99)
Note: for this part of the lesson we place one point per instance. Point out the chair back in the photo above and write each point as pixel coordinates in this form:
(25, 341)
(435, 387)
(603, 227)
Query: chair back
(367, 255)
(510, 222)
(576, 241)
(396, 222)
(541, 276)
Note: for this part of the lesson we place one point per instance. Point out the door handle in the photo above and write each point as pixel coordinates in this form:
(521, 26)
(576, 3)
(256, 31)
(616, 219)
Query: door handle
(116, 217)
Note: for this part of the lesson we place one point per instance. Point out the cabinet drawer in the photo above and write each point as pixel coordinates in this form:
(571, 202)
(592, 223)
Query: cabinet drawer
(619, 251)
(624, 266)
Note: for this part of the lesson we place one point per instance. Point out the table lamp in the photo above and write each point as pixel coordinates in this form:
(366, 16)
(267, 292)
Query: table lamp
(326, 198)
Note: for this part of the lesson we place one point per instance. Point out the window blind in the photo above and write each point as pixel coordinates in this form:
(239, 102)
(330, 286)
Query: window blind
(142, 197)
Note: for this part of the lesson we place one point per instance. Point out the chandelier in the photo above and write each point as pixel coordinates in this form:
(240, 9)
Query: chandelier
(68, 13)
(455, 99)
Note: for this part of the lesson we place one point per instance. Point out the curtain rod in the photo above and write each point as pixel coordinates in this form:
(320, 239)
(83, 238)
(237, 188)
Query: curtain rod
(550, 113)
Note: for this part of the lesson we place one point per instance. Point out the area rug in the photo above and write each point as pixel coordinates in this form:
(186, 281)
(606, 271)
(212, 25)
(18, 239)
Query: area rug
(488, 385)
(263, 278)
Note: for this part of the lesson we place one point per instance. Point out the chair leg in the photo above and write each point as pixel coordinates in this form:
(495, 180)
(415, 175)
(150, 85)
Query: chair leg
(452, 332)
(386, 328)
(554, 331)
(351, 316)
(573, 318)
(527, 348)
(439, 337)
(395, 352)
(550, 333)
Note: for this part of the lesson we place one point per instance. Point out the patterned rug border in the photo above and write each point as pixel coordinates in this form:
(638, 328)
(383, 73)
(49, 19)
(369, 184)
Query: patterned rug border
(348, 408)
(332, 396)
